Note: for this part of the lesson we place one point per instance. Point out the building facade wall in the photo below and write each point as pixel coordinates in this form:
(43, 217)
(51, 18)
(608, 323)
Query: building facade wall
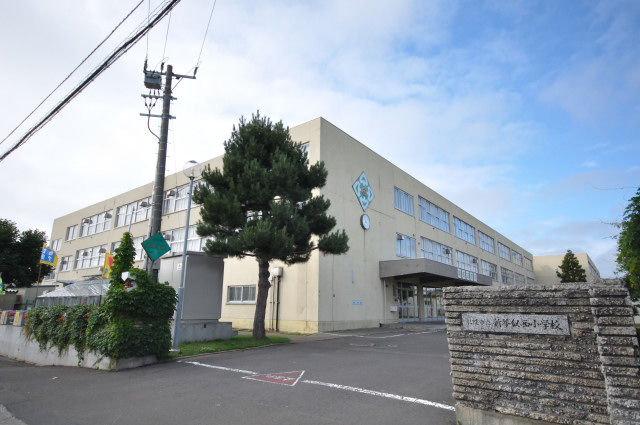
(329, 292)
(545, 267)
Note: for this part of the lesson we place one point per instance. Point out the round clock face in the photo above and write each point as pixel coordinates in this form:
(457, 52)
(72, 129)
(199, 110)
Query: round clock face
(365, 222)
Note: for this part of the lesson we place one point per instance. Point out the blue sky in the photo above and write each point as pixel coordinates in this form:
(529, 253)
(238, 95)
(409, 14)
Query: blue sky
(524, 113)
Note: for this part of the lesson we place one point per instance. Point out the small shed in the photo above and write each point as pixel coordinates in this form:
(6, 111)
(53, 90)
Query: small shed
(81, 292)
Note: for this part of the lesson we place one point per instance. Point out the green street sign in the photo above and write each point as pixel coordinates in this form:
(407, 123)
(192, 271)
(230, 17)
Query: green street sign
(156, 246)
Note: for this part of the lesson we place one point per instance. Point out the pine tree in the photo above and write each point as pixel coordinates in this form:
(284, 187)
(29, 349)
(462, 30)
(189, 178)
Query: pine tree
(629, 246)
(572, 271)
(261, 204)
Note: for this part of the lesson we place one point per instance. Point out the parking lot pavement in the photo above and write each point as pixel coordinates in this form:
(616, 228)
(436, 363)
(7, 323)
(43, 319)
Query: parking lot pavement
(375, 377)
(382, 331)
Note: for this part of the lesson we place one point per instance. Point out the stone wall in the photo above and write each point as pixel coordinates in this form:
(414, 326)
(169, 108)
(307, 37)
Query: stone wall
(559, 354)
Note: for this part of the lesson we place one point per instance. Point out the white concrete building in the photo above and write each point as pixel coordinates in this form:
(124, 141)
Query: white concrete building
(406, 241)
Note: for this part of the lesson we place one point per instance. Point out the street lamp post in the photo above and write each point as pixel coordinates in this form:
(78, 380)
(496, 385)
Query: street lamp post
(192, 169)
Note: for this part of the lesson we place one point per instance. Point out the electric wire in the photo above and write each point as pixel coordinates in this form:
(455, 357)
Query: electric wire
(166, 37)
(117, 53)
(204, 39)
(72, 72)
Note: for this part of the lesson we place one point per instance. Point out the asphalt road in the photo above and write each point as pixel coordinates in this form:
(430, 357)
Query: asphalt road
(381, 377)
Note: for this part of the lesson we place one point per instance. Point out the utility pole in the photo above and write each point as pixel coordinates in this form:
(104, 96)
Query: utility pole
(153, 81)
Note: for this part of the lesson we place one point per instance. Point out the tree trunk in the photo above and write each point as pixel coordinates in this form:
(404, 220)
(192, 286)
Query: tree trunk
(261, 301)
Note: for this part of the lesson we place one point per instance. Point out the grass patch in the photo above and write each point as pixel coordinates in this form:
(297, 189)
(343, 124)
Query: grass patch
(238, 342)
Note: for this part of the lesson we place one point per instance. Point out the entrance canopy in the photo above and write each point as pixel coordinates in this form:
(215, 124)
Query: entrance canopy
(431, 273)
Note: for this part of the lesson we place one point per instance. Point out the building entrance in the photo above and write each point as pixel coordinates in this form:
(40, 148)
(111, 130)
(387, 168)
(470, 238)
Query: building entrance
(408, 307)
(433, 306)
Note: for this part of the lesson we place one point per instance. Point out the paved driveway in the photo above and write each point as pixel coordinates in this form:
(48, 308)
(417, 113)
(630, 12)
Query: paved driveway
(381, 377)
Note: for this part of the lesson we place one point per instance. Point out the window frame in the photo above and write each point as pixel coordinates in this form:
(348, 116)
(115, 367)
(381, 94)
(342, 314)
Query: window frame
(402, 201)
(432, 214)
(436, 252)
(489, 269)
(486, 242)
(464, 230)
(248, 289)
(405, 249)
(504, 251)
(71, 233)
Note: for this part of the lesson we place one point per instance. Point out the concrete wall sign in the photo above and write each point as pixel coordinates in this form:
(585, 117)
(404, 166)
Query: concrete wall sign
(540, 324)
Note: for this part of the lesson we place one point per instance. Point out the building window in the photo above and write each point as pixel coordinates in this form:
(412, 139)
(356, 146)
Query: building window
(245, 294)
(176, 199)
(138, 211)
(490, 270)
(137, 246)
(175, 238)
(530, 281)
(486, 242)
(528, 264)
(405, 246)
(96, 223)
(90, 257)
(467, 266)
(433, 214)
(504, 251)
(519, 279)
(403, 201)
(516, 258)
(436, 251)
(65, 263)
(464, 231)
(56, 244)
(466, 261)
(72, 232)
(507, 276)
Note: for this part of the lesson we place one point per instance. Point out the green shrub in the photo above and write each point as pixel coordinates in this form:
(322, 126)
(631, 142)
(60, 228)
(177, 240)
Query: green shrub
(130, 323)
(60, 326)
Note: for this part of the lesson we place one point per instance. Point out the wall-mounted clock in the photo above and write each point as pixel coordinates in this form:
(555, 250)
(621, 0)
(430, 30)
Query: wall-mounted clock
(365, 221)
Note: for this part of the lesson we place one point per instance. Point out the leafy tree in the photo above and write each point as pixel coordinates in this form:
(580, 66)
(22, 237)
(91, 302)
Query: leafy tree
(20, 255)
(261, 204)
(629, 246)
(572, 271)
(123, 259)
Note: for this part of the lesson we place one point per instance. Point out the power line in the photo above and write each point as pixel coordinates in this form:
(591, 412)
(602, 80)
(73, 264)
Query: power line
(71, 73)
(117, 53)
(205, 38)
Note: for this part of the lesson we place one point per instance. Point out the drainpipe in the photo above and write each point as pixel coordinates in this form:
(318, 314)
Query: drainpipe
(277, 301)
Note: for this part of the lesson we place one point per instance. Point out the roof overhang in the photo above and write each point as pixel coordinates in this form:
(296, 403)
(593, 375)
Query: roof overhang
(431, 273)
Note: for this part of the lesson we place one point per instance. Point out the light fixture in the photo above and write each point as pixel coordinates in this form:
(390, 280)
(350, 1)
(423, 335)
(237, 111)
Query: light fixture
(86, 221)
(447, 251)
(475, 261)
(170, 194)
(102, 250)
(167, 237)
(144, 204)
(399, 237)
(191, 169)
(107, 215)
(84, 254)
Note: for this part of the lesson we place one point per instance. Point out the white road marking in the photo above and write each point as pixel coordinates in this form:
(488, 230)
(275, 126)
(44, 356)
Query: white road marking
(337, 386)
(381, 394)
(228, 369)
(382, 337)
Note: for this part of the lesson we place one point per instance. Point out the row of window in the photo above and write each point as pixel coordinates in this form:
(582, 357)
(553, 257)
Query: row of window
(437, 217)
(94, 256)
(176, 199)
(432, 250)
